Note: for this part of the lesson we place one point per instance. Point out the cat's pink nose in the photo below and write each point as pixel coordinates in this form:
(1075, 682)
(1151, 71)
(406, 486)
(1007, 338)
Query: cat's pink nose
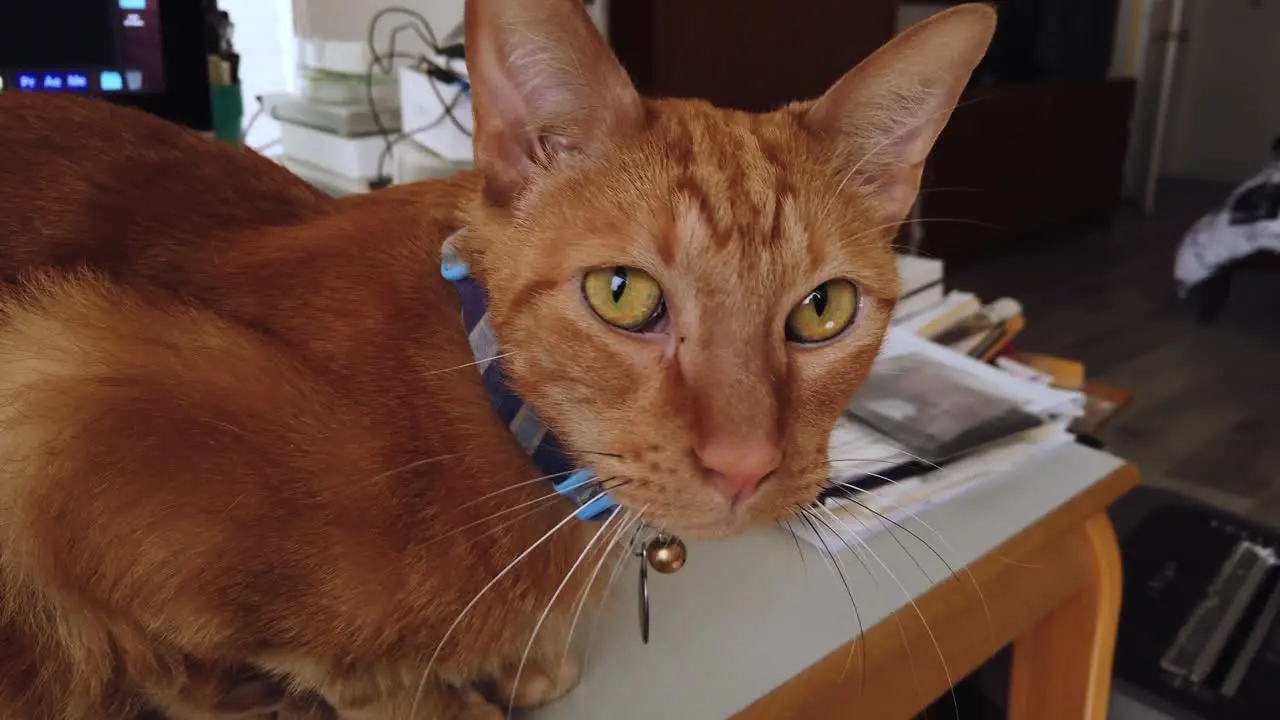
(738, 468)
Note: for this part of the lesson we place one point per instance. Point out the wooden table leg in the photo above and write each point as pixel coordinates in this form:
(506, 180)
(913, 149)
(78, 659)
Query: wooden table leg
(1062, 665)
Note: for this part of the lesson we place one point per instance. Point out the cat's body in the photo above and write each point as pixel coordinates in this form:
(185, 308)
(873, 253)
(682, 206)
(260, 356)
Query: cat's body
(239, 426)
(271, 489)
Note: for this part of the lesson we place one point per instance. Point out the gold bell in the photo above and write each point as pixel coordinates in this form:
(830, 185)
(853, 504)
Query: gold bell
(666, 554)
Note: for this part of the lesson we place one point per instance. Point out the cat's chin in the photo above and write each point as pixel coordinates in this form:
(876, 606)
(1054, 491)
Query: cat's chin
(717, 531)
(729, 525)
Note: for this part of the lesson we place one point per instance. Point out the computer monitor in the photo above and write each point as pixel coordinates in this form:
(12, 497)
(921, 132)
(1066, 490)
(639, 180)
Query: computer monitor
(146, 53)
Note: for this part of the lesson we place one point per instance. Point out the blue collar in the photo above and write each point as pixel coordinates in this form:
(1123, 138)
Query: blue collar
(576, 484)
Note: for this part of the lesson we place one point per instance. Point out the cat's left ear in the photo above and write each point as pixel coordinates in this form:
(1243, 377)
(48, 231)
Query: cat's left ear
(545, 87)
(885, 115)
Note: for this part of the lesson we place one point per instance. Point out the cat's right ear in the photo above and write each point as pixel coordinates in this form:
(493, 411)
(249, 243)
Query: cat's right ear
(884, 115)
(545, 88)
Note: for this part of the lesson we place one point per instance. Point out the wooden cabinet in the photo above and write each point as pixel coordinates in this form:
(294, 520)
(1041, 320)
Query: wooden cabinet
(745, 54)
(1019, 163)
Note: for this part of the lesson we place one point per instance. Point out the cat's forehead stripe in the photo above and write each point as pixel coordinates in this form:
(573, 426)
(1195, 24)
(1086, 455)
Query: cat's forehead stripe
(731, 172)
(755, 167)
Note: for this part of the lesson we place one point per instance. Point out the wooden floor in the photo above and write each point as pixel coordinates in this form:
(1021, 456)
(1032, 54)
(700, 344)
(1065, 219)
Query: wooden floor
(1205, 418)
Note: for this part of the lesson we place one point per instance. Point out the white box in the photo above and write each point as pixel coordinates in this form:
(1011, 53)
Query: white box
(327, 182)
(349, 57)
(413, 163)
(353, 157)
(916, 271)
(423, 115)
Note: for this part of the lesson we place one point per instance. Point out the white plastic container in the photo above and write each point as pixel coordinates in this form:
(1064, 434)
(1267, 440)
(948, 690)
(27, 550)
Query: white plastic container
(423, 115)
(352, 157)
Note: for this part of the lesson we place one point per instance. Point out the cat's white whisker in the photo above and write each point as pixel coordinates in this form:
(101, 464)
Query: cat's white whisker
(915, 221)
(516, 486)
(542, 504)
(500, 513)
(832, 461)
(906, 594)
(908, 128)
(861, 643)
(909, 454)
(224, 425)
(533, 636)
(916, 518)
(473, 363)
(621, 530)
(448, 633)
(884, 520)
(825, 560)
(902, 630)
(613, 577)
(415, 464)
(804, 564)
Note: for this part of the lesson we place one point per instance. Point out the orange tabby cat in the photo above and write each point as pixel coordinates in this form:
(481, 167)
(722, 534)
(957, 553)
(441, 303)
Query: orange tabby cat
(242, 449)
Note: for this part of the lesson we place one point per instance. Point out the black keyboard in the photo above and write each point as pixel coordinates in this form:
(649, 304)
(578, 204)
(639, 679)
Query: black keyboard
(1198, 628)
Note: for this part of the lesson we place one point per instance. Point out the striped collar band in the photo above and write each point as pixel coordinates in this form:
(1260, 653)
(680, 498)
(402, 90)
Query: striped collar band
(577, 484)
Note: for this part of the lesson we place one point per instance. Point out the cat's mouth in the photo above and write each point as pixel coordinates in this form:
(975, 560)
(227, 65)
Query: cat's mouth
(728, 521)
(711, 531)
(697, 507)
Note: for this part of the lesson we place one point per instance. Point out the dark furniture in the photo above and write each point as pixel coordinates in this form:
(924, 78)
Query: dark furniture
(144, 53)
(1037, 146)
(1182, 558)
(1174, 550)
(754, 55)
(1209, 298)
(1019, 162)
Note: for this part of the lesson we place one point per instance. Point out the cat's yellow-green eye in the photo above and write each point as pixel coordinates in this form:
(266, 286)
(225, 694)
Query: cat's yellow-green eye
(825, 312)
(625, 298)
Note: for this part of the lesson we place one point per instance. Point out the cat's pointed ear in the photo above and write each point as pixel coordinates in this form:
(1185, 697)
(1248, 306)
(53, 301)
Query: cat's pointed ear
(545, 85)
(884, 115)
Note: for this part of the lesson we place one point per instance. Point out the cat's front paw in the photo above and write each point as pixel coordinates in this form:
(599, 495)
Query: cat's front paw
(432, 702)
(540, 682)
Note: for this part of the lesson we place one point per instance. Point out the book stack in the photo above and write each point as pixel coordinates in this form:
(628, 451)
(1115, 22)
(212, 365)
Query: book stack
(962, 322)
(949, 406)
(921, 281)
(931, 423)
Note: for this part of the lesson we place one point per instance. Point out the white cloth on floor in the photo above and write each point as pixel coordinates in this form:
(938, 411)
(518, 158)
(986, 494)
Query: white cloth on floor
(1247, 223)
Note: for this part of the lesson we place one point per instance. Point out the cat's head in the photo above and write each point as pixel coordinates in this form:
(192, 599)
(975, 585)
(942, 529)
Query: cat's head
(689, 295)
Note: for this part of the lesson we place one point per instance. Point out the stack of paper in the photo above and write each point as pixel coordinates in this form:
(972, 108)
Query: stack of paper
(951, 307)
(863, 515)
(861, 456)
(920, 279)
(963, 322)
(1033, 397)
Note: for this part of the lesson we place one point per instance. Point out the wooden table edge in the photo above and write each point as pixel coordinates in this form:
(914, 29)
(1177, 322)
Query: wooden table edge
(1019, 594)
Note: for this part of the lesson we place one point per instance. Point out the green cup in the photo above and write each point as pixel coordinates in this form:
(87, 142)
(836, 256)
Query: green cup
(228, 113)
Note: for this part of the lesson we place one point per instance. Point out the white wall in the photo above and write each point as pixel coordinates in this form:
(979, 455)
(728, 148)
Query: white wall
(1227, 108)
(1130, 43)
(349, 19)
(264, 38)
(913, 13)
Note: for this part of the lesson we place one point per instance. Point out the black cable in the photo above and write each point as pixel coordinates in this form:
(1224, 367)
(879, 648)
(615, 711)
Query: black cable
(386, 152)
(375, 63)
(449, 106)
(424, 32)
(262, 108)
(384, 62)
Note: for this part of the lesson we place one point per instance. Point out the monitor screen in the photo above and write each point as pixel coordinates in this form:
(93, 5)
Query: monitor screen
(99, 47)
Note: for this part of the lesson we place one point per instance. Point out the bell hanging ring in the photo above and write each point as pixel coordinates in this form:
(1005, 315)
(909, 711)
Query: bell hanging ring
(666, 554)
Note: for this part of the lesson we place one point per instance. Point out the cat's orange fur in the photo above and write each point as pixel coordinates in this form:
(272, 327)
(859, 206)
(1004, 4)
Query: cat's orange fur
(238, 429)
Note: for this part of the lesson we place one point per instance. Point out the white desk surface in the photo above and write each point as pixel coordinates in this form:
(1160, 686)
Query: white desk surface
(746, 615)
